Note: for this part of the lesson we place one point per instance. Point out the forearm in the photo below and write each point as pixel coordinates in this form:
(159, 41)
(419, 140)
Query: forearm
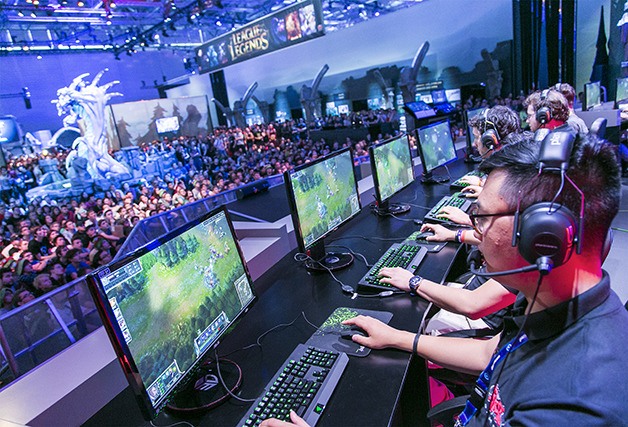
(460, 354)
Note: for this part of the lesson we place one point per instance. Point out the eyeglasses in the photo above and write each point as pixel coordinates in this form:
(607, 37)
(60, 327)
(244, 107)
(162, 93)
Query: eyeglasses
(479, 220)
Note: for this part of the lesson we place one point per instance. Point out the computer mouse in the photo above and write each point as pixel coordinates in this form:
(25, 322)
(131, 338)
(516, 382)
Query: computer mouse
(424, 234)
(349, 333)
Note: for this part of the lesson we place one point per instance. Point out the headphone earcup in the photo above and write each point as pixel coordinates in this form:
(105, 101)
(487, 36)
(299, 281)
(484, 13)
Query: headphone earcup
(490, 139)
(543, 115)
(546, 230)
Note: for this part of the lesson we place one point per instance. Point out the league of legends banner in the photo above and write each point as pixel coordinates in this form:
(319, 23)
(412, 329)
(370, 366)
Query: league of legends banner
(295, 24)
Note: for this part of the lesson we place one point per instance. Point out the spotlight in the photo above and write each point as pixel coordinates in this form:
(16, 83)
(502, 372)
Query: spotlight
(33, 15)
(218, 23)
(20, 14)
(39, 57)
(80, 3)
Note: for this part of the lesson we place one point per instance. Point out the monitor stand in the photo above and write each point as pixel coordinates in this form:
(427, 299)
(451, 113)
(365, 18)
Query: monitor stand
(385, 209)
(434, 179)
(205, 392)
(322, 260)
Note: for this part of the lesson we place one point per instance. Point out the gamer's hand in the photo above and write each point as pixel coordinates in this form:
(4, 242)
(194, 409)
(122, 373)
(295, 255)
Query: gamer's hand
(472, 191)
(294, 418)
(441, 234)
(396, 276)
(471, 180)
(456, 215)
(380, 335)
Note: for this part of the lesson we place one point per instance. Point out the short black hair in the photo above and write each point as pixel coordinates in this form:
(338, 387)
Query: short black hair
(593, 167)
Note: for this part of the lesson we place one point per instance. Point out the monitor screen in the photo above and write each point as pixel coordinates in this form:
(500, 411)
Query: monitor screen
(9, 129)
(453, 95)
(419, 109)
(391, 164)
(469, 114)
(436, 145)
(621, 95)
(426, 97)
(439, 96)
(166, 304)
(592, 97)
(323, 195)
(167, 124)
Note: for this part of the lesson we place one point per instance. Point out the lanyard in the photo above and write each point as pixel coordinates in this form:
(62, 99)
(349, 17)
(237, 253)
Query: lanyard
(476, 399)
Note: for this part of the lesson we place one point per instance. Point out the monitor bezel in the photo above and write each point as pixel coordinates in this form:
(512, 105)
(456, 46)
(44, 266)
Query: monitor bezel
(623, 101)
(123, 353)
(372, 149)
(469, 131)
(585, 104)
(420, 146)
(292, 199)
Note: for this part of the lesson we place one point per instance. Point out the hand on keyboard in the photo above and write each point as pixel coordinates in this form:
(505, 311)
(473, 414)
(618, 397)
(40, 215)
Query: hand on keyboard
(471, 180)
(441, 234)
(396, 276)
(455, 215)
(472, 191)
(296, 421)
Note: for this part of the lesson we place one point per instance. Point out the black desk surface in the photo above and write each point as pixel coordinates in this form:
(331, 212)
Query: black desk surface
(369, 393)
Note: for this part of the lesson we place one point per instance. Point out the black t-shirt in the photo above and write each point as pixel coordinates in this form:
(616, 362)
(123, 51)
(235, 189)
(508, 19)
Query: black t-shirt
(39, 248)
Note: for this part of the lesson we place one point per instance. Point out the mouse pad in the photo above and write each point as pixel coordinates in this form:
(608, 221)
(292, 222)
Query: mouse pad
(329, 335)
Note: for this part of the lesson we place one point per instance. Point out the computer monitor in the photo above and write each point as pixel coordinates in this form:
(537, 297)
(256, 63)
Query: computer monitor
(468, 115)
(167, 124)
(391, 164)
(10, 130)
(453, 95)
(592, 95)
(419, 110)
(439, 96)
(168, 303)
(621, 94)
(323, 195)
(436, 148)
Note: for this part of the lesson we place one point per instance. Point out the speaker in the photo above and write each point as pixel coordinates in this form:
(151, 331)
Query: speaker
(545, 229)
(544, 114)
(490, 137)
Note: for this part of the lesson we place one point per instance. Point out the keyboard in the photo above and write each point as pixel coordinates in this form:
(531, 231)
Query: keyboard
(408, 256)
(459, 185)
(455, 200)
(304, 384)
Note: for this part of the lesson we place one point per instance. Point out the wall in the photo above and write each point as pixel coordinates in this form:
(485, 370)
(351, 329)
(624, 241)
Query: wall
(587, 24)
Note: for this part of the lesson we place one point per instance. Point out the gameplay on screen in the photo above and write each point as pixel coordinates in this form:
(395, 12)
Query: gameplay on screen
(171, 303)
(436, 145)
(393, 167)
(325, 195)
(592, 95)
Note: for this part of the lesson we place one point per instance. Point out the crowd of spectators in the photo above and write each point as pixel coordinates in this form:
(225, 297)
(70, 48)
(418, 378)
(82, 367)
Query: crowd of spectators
(47, 243)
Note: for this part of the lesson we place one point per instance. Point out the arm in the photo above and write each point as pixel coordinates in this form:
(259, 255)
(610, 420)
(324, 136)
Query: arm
(456, 215)
(460, 354)
(476, 303)
(443, 234)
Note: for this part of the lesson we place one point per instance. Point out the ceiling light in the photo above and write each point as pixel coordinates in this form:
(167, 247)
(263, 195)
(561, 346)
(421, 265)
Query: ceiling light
(20, 13)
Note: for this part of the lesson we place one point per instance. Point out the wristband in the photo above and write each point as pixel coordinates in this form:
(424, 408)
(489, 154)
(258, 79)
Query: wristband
(458, 236)
(416, 342)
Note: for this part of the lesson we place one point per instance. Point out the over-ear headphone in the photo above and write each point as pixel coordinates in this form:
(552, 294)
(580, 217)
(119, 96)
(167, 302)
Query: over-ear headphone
(549, 229)
(490, 137)
(544, 114)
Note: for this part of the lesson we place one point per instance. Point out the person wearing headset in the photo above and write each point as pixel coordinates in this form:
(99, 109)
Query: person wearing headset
(547, 109)
(567, 361)
(570, 95)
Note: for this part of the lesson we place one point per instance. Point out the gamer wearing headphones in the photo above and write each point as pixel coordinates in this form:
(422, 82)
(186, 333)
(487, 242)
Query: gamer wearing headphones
(570, 95)
(547, 109)
(561, 358)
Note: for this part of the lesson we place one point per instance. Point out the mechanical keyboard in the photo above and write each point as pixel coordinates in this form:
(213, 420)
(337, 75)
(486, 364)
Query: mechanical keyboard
(458, 184)
(408, 256)
(454, 200)
(304, 384)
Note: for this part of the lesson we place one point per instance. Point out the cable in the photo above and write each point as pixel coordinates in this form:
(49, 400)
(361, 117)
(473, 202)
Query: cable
(172, 425)
(357, 254)
(623, 230)
(222, 381)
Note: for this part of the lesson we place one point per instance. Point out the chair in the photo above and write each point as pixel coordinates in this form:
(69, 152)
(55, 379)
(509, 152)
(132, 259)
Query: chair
(598, 127)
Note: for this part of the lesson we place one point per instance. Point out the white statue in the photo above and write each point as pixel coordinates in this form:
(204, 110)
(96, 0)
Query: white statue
(85, 104)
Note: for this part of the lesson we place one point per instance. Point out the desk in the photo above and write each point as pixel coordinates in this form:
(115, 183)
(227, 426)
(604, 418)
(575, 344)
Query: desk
(378, 390)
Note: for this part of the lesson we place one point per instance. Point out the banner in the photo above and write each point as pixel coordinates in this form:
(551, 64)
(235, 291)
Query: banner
(295, 24)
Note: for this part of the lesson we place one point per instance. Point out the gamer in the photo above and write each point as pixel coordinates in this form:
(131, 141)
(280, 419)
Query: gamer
(547, 109)
(570, 95)
(566, 362)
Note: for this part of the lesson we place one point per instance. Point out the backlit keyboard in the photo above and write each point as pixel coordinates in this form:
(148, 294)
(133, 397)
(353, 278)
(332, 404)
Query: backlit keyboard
(303, 384)
(406, 256)
(454, 200)
(458, 184)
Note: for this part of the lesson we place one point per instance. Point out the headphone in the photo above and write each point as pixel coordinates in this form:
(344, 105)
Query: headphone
(544, 114)
(490, 137)
(546, 232)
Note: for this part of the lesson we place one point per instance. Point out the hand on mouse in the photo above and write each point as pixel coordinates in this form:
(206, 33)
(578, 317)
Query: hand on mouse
(380, 335)
(456, 215)
(472, 191)
(295, 420)
(441, 234)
